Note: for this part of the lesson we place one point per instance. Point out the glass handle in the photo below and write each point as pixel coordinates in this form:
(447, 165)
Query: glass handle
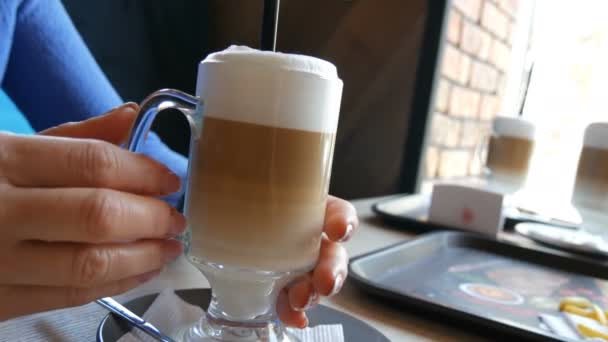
(152, 105)
(481, 153)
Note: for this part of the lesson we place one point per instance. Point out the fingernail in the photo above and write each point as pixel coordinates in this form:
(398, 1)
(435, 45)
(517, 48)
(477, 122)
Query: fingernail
(129, 106)
(178, 223)
(172, 183)
(310, 303)
(148, 276)
(338, 282)
(173, 253)
(315, 299)
(347, 233)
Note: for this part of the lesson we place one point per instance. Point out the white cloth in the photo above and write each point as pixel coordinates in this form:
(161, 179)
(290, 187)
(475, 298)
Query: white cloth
(168, 312)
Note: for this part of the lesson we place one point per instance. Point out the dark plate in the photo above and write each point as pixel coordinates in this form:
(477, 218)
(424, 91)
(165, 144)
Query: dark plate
(471, 279)
(411, 211)
(112, 328)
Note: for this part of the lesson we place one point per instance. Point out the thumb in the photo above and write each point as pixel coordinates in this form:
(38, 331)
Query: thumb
(112, 127)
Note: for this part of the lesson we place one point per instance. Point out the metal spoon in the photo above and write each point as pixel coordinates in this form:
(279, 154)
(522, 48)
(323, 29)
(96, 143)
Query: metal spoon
(132, 318)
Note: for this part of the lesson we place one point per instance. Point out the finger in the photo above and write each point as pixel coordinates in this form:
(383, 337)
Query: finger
(86, 215)
(38, 161)
(340, 219)
(112, 127)
(84, 265)
(22, 300)
(330, 273)
(302, 294)
(288, 315)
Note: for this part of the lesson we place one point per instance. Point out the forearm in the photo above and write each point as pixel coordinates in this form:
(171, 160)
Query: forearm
(51, 75)
(53, 78)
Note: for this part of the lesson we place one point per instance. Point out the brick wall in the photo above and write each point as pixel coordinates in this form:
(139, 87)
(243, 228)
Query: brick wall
(476, 58)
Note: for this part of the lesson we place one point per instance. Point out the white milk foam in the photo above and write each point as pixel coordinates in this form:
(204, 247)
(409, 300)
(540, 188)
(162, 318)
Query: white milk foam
(513, 127)
(596, 135)
(270, 88)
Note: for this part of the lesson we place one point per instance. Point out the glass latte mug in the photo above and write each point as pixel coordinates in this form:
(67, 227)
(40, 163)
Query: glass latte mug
(263, 130)
(509, 150)
(591, 182)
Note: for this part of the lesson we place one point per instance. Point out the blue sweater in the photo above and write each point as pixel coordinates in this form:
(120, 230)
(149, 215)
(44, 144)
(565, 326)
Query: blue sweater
(49, 74)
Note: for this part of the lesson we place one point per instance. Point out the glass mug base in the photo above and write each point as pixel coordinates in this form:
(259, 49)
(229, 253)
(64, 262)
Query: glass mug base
(212, 329)
(242, 306)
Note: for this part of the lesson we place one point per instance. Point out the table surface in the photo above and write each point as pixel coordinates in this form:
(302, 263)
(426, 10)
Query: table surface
(80, 324)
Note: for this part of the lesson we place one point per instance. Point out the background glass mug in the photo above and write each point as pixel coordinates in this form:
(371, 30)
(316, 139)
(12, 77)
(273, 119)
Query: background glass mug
(591, 182)
(508, 154)
(263, 131)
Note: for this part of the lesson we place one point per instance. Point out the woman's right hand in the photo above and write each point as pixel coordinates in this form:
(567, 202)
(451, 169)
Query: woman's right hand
(79, 217)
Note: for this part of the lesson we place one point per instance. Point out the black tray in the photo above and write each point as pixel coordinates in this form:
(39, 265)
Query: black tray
(472, 279)
(112, 328)
(412, 211)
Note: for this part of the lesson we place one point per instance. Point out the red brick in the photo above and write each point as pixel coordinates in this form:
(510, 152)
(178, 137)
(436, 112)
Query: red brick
(442, 96)
(495, 20)
(502, 85)
(455, 64)
(475, 41)
(454, 27)
(490, 105)
(471, 8)
(445, 131)
(465, 69)
(473, 132)
(471, 38)
(450, 64)
(464, 102)
(509, 6)
(484, 77)
(486, 45)
(500, 55)
(454, 163)
(431, 162)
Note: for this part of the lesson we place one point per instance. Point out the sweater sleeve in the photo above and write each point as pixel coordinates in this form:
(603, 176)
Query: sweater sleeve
(53, 78)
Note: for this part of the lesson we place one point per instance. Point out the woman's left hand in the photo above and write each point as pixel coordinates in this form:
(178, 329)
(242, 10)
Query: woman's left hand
(328, 276)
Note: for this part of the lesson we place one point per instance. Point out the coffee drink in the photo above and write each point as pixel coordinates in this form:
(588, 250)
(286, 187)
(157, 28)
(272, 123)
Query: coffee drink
(509, 155)
(509, 152)
(261, 167)
(254, 184)
(591, 182)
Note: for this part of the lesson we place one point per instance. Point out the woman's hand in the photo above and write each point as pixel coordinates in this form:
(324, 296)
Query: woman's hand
(328, 276)
(78, 217)
(79, 221)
